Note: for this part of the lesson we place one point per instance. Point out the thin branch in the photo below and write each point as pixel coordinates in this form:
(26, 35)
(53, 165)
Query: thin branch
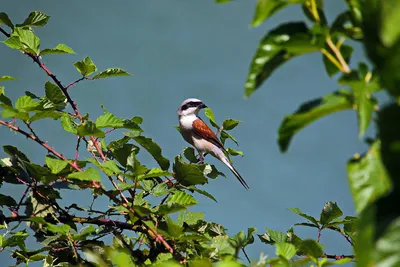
(338, 257)
(15, 211)
(75, 82)
(245, 254)
(332, 46)
(319, 235)
(77, 150)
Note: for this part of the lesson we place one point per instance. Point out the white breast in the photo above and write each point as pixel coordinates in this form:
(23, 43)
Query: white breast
(186, 125)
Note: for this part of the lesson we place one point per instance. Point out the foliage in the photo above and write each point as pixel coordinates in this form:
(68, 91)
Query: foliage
(148, 217)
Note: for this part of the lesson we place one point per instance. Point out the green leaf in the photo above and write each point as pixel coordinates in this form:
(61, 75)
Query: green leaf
(26, 103)
(58, 49)
(111, 72)
(308, 217)
(109, 120)
(367, 177)
(331, 68)
(234, 152)
(110, 167)
(364, 102)
(35, 18)
(324, 262)
(154, 150)
(277, 47)
(16, 239)
(390, 31)
(7, 78)
(8, 112)
(169, 208)
(134, 165)
(45, 114)
(330, 212)
(355, 11)
(13, 42)
(189, 217)
(210, 115)
(89, 174)
(230, 124)
(311, 248)
(68, 124)
(85, 66)
(225, 135)
(55, 165)
(222, 1)
(285, 250)
(7, 201)
(61, 229)
(182, 198)
(3, 98)
(89, 129)
(85, 232)
(387, 246)
(266, 8)
(189, 154)
(188, 174)
(204, 193)
(154, 172)
(30, 41)
(4, 19)
(311, 111)
(272, 237)
(54, 93)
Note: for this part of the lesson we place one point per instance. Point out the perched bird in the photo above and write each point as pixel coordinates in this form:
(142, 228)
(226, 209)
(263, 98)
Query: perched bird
(200, 136)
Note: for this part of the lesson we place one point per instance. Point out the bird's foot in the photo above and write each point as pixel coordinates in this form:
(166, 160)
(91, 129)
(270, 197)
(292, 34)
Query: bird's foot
(200, 160)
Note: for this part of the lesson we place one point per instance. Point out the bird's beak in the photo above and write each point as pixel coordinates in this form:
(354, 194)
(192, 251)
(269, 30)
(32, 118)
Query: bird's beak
(203, 105)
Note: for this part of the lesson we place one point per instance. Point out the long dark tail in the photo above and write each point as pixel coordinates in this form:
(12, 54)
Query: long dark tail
(225, 160)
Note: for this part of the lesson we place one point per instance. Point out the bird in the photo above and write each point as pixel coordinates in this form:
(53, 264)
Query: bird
(197, 133)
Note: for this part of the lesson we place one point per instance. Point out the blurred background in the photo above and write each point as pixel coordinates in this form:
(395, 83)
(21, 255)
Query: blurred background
(180, 49)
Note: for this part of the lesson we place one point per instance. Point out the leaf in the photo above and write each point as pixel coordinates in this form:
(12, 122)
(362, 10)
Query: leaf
(169, 208)
(154, 149)
(111, 72)
(225, 135)
(154, 172)
(7, 78)
(189, 217)
(55, 165)
(311, 248)
(330, 212)
(16, 239)
(26, 103)
(54, 93)
(45, 114)
(182, 198)
(7, 201)
(331, 68)
(234, 152)
(277, 47)
(266, 8)
(189, 154)
(61, 229)
(109, 120)
(285, 250)
(204, 193)
(13, 42)
(364, 102)
(58, 49)
(272, 237)
(89, 129)
(110, 167)
(188, 174)
(390, 33)
(210, 115)
(89, 174)
(387, 246)
(308, 217)
(222, 1)
(68, 124)
(3, 98)
(8, 112)
(311, 111)
(30, 41)
(4, 19)
(230, 124)
(85, 66)
(367, 177)
(35, 18)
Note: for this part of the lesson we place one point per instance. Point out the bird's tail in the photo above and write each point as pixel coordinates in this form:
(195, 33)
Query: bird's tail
(225, 160)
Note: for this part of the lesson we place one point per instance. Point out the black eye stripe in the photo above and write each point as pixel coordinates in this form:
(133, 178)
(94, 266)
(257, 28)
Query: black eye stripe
(184, 107)
(190, 105)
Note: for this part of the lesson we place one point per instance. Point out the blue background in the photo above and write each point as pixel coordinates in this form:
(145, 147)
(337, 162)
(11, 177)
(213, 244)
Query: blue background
(180, 49)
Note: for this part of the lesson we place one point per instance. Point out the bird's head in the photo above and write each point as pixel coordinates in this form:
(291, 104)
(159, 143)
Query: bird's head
(190, 106)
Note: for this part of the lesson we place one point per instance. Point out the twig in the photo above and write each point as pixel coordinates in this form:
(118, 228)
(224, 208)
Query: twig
(245, 254)
(77, 150)
(345, 68)
(15, 211)
(338, 257)
(75, 82)
(319, 234)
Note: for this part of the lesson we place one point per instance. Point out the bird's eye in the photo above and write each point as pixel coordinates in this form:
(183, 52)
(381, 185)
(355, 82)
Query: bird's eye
(184, 107)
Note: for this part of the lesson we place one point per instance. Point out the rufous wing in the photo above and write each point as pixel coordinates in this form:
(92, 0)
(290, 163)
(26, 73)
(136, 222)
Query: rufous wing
(202, 129)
